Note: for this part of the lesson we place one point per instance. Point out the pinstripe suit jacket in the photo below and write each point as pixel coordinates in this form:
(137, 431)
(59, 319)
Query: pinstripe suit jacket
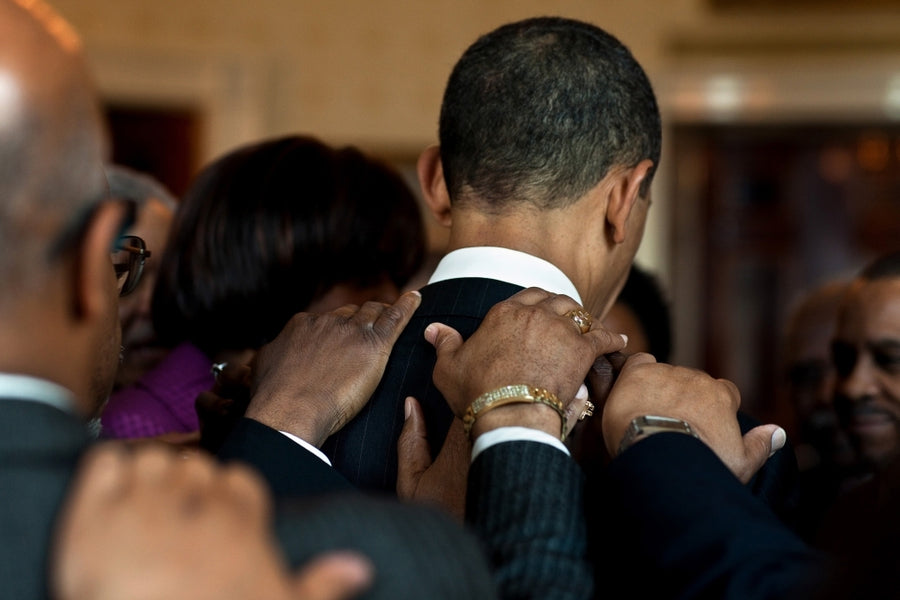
(365, 450)
(524, 501)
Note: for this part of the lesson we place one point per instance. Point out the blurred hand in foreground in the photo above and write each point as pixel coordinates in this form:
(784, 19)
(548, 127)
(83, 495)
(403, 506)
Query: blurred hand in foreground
(146, 523)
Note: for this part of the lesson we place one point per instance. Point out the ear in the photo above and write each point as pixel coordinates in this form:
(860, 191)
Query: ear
(623, 196)
(95, 281)
(434, 188)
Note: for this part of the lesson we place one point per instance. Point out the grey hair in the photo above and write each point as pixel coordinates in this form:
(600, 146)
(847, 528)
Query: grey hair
(139, 187)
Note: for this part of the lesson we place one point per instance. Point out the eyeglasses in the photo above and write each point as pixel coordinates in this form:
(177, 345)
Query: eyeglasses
(128, 258)
(128, 254)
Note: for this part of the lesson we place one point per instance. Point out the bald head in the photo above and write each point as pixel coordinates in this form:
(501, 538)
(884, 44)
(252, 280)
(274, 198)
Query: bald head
(51, 137)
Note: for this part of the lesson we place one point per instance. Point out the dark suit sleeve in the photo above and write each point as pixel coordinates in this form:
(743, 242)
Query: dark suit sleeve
(524, 500)
(290, 469)
(675, 523)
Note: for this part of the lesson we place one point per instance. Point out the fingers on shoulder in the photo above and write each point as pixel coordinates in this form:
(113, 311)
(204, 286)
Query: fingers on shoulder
(604, 341)
(389, 320)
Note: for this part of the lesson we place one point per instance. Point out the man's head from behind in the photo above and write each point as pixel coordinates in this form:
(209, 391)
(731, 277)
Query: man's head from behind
(57, 312)
(540, 110)
(866, 356)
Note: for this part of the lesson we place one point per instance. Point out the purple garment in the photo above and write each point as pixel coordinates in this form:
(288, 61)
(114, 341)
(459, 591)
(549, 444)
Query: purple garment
(162, 401)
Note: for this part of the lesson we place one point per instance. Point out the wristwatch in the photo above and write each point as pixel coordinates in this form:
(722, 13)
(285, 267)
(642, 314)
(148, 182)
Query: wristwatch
(647, 425)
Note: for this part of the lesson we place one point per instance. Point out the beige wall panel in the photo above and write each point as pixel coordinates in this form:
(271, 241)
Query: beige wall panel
(371, 72)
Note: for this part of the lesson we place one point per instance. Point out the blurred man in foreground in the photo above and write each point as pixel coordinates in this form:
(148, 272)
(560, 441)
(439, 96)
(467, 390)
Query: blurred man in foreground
(60, 336)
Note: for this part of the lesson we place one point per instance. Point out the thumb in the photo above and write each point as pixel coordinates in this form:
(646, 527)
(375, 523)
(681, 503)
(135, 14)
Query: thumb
(759, 444)
(636, 359)
(333, 576)
(443, 337)
(413, 452)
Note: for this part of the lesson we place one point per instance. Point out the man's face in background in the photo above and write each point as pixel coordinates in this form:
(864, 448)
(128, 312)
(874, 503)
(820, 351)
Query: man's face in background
(141, 352)
(866, 355)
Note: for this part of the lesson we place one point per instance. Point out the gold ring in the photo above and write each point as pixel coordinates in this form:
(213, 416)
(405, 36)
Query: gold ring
(582, 318)
(588, 410)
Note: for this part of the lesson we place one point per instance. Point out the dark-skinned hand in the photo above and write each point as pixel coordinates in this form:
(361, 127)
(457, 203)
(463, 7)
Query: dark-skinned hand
(322, 368)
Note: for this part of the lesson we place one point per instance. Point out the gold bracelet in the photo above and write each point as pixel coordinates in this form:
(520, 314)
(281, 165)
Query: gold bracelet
(512, 394)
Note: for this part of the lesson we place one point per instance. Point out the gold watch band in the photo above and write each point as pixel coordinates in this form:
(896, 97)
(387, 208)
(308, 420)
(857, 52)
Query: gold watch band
(646, 425)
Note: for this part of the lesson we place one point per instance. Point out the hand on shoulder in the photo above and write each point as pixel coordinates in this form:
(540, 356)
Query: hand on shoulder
(645, 387)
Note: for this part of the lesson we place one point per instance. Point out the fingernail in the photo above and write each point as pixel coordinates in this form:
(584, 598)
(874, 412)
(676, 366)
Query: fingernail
(624, 338)
(430, 332)
(407, 409)
(779, 438)
(416, 293)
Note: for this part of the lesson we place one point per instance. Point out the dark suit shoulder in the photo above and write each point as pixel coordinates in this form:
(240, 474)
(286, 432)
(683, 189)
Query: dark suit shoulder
(466, 297)
(365, 450)
(290, 469)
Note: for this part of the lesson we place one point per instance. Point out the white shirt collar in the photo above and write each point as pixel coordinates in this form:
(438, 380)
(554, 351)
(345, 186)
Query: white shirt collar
(503, 264)
(33, 389)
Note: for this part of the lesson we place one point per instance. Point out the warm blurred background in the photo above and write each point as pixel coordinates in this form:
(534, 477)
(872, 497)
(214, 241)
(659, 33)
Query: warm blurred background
(782, 125)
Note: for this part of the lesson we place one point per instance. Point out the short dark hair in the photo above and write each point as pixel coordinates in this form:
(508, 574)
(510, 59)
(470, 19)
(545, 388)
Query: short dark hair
(540, 110)
(270, 227)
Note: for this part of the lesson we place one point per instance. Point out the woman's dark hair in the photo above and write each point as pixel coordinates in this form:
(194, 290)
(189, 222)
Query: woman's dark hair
(268, 228)
(644, 296)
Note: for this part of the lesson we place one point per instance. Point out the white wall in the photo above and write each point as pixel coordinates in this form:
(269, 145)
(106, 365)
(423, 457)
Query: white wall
(371, 72)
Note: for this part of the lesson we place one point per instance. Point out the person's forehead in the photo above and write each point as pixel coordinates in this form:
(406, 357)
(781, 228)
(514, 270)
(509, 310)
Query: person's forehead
(875, 306)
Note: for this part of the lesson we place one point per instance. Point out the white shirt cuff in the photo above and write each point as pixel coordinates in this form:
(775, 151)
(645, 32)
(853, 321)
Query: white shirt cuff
(308, 446)
(515, 434)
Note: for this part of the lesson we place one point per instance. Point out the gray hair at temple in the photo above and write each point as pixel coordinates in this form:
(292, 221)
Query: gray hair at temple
(129, 184)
